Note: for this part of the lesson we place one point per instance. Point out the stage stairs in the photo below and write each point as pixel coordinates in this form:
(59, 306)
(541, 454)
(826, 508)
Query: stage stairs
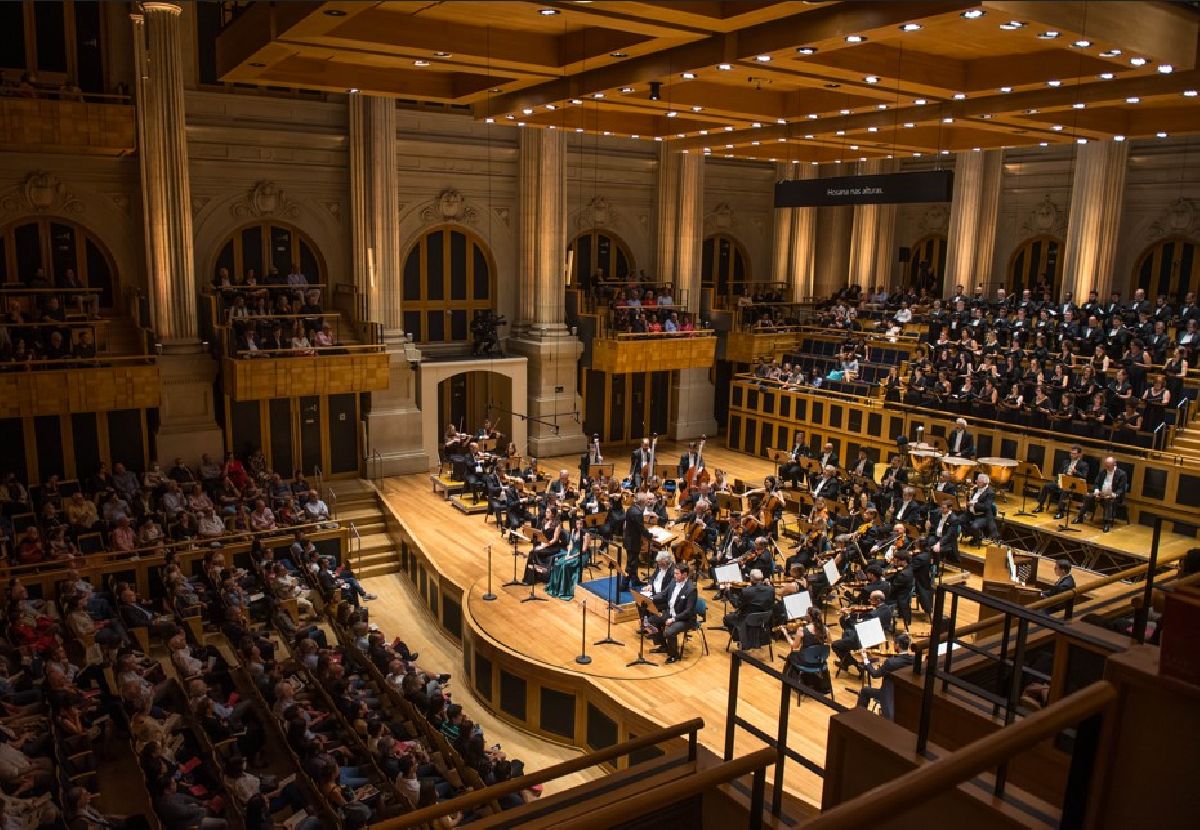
(372, 551)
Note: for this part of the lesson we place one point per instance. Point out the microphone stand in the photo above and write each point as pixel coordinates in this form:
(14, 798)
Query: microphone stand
(489, 596)
(512, 537)
(641, 658)
(612, 585)
(1024, 488)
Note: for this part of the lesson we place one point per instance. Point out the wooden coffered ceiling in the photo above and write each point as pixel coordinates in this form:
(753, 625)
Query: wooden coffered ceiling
(799, 81)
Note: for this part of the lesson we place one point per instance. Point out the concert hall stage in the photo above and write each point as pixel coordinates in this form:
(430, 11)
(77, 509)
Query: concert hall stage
(519, 658)
(1086, 544)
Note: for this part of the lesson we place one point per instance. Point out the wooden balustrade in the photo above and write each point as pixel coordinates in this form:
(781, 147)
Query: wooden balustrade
(39, 125)
(70, 385)
(654, 352)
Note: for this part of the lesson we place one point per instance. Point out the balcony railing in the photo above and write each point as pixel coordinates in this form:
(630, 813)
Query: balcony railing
(62, 126)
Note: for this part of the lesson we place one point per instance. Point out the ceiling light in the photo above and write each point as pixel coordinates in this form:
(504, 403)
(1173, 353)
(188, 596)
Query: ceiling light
(844, 112)
(1161, 134)
(579, 129)
(1051, 35)
(704, 132)
(551, 106)
(806, 50)
(576, 101)
(1118, 138)
(881, 106)
(1165, 69)
(1078, 105)
(442, 54)
(335, 13)
(724, 67)
(920, 102)
(597, 94)
(855, 39)
(1054, 83)
(947, 120)
(1189, 93)
(945, 152)
(780, 120)
(352, 90)
(909, 124)
(872, 129)
(1012, 25)
(728, 128)
(781, 139)
(520, 123)
(1106, 76)
(687, 75)
(754, 143)
(1057, 128)
(607, 132)
(840, 132)
(973, 14)
(1006, 89)
(1031, 112)
(697, 108)
(809, 136)
(910, 27)
(420, 63)
(527, 111)
(756, 124)
(1082, 43)
(853, 146)
(510, 116)
(489, 120)
(871, 79)
(1133, 99)
(1110, 53)
(547, 12)
(658, 138)
(635, 135)
(975, 149)
(986, 116)
(813, 115)
(627, 89)
(618, 54)
(959, 96)
(916, 155)
(1081, 141)
(672, 114)
(763, 58)
(1138, 61)
(1043, 143)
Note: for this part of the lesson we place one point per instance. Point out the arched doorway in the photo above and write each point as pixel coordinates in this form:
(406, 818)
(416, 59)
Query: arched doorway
(468, 398)
(724, 265)
(927, 263)
(600, 249)
(1037, 257)
(449, 275)
(57, 246)
(262, 246)
(1168, 267)
(509, 381)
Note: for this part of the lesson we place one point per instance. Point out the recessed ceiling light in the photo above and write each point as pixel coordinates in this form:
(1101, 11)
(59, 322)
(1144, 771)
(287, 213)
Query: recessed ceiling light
(597, 94)
(756, 124)
(1057, 128)
(813, 115)
(1054, 83)
(547, 12)
(576, 101)
(672, 114)
(754, 143)
(763, 58)
(728, 128)
(1078, 105)
(840, 132)
(1081, 141)
(335, 13)
(910, 27)
(844, 112)
(1189, 93)
(724, 67)
(1165, 69)
(881, 106)
(527, 111)
(871, 79)
(975, 149)
(809, 136)
(442, 55)
(947, 120)
(579, 129)
(1118, 138)
(920, 102)
(704, 132)
(945, 152)
(916, 155)
(1106, 76)
(806, 50)
(1133, 99)
(1012, 25)
(420, 63)
(1082, 43)
(697, 108)
(489, 120)
(973, 14)
(687, 75)
(658, 138)
(1051, 35)
(627, 89)
(618, 54)
(872, 129)
(551, 106)
(354, 89)
(1110, 53)
(1031, 111)
(855, 39)
(959, 96)
(635, 135)
(1043, 143)
(607, 132)
(520, 123)
(1138, 61)
(1161, 134)
(1006, 89)
(986, 116)
(909, 124)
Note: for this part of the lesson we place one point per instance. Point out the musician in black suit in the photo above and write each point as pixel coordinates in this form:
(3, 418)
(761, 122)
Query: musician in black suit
(1073, 466)
(845, 646)
(755, 597)
(635, 533)
(863, 466)
(922, 569)
(689, 459)
(792, 471)
(981, 509)
(946, 484)
(903, 584)
(961, 443)
(895, 477)
(885, 693)
(678, 614)
(907, 509)
(639, 458)
(1109, 489)
(827, 486)
(828, 457)
(1063, 580)
(592, 456)
(943, 534)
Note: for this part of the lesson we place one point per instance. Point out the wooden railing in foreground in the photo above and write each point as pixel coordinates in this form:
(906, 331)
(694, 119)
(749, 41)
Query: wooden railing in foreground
(898, 796)
(479, 798)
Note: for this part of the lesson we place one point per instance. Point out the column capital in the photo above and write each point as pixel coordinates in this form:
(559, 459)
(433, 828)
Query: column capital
(159, 6)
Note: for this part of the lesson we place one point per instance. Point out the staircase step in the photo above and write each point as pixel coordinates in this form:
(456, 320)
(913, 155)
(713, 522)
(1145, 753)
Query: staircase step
(374, 542)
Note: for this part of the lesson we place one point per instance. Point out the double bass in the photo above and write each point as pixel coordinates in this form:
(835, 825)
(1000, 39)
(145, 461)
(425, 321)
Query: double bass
(696, 474)
(648, 467)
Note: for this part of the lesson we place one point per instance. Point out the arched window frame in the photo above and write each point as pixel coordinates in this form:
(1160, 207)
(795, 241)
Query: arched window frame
(729, 283)
(12, 276)
(934, 246)
(1183, 274)
(232, 253)
(422, 309)
(617, 249)
(1028, 247)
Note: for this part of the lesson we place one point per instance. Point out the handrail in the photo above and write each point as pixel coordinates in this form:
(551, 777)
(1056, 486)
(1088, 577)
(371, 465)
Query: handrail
(514, 785)
(215, 290)
(895, 797)
(57, 324)
(9, 289)
(614, 815)
(305, 351)
(659, 335)
(65, 363)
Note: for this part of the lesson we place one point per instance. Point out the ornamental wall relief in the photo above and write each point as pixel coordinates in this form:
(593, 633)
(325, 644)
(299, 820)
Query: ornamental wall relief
(41, 192)
(265, 198)
(1180, 218)
(1046, 219)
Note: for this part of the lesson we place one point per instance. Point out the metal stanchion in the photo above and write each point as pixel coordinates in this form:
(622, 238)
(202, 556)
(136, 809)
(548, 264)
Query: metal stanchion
(583, 659)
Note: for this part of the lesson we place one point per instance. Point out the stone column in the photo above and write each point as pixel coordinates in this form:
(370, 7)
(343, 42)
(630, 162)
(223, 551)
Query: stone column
(1097, 191)
(872, 235)
(971, 243)
(781, 241)
(541, 335)
(681, 238)
(394, 421)
(803, 259)
(832, 266)
(187, 423)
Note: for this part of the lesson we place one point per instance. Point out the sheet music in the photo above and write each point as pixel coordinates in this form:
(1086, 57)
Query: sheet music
(831, 572)
(1012, 566)
(729, 573)
(661, 535)
(797, 605)
(870, 632)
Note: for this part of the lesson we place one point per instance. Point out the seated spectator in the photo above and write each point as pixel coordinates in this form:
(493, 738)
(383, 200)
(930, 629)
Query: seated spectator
(315, 509)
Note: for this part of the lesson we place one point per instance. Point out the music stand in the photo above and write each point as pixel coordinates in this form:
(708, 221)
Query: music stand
(1076, 486)
(644, 602)
(514, 537)
(604, 470)
(613, 590)
(1025, 469)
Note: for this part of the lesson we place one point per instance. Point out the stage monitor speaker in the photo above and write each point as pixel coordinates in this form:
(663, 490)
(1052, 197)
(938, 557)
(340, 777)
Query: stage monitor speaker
(905, 253)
